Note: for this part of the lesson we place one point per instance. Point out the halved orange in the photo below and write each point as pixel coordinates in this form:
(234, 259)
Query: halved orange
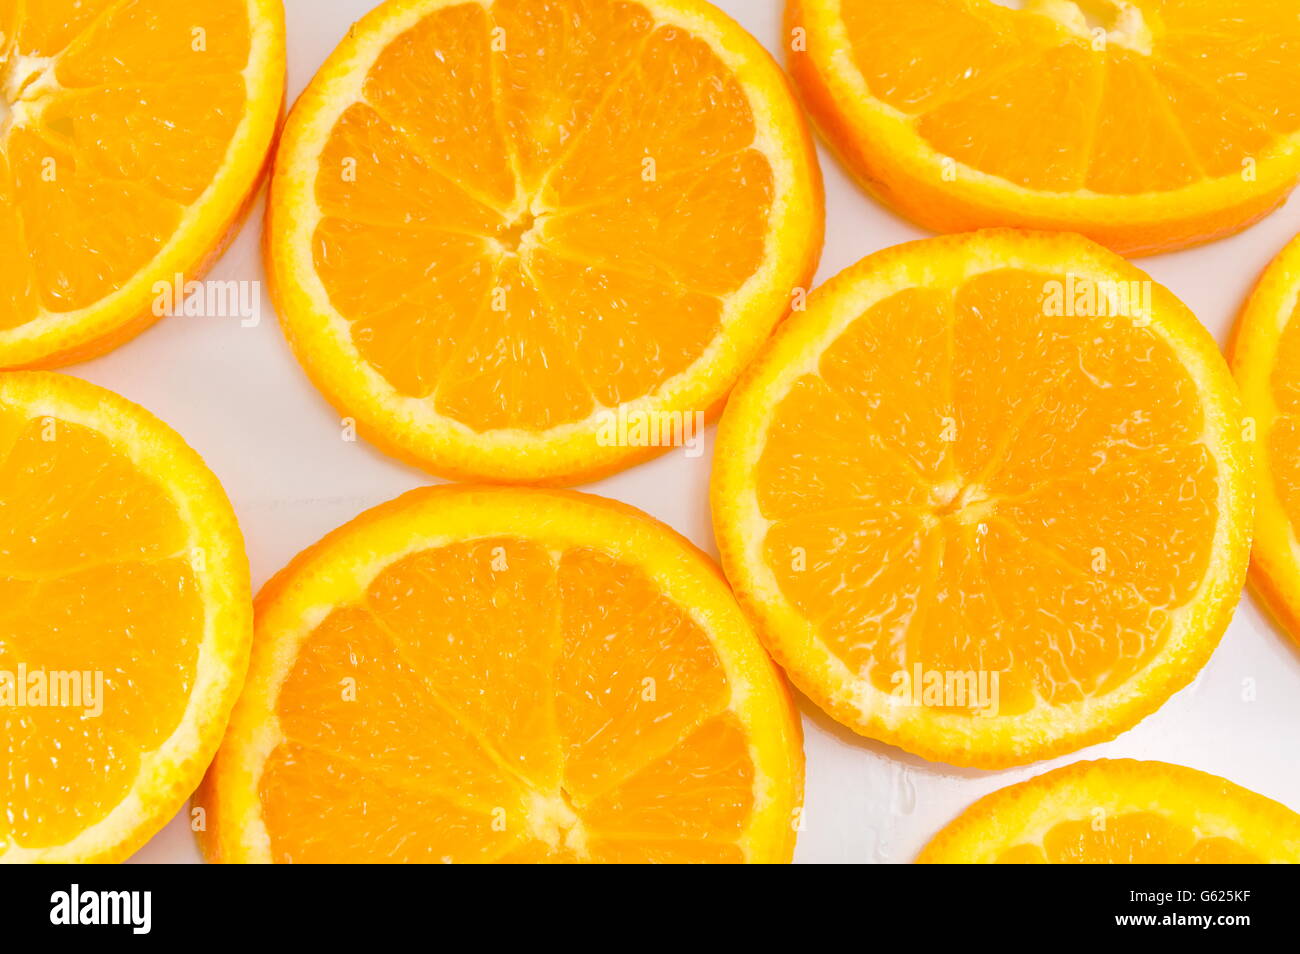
(476, 674)
(1265, 357)
(988, 498)
(1118, 811)
(125, 620)
(132, 135)
(1147, 125)
(508, 239)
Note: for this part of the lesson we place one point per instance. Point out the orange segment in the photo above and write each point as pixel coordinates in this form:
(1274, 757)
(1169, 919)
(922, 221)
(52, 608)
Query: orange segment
(635, 674)
(380, 177)
(1265, 358)
(185, 149)
(550, 92)
(610, 314)
(1145, 125)
(703, 231)
(703, 786)
(17, 294)
(124, 623)
(96, 243)
(894, 370)
(150, 42)
(585, 207)
(494, 669)
(323, 809)
(352, 693)
(505, 675)
(45, 29)
(1120, 812)
(435, 82)
(987, 498)
(1061, 87)
(1158, 540)
(678, 104)
(513, 367)
(110, 180)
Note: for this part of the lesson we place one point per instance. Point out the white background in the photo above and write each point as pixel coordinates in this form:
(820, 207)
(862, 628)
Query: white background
(237, 395)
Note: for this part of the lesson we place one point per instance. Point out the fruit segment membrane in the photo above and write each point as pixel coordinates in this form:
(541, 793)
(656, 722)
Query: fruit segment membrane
(966, 484)
(493, 700)
(539, 208)
(1106, 96)
(102, 145)
(97, 581)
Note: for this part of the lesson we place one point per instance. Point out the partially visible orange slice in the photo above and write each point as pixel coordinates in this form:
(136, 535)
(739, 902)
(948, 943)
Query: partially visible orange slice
(497, 229)
(1265, 357)
(475, 675)
(125, 620)
(131, 137)
(1147, 125)
(988, 498)
(1120, 812)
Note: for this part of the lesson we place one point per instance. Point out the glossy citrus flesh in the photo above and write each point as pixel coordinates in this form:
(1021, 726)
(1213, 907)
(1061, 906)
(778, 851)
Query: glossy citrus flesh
(497, 676)
(131, 133)
(1120, 812)
(120, 562)
(1147, 125)
(932, 475)
(1265, 357)
(493, 225)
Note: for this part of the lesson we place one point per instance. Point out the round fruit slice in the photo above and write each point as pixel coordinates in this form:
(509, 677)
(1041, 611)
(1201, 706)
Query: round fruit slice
(530, 240)
(1147, 125)
(477, 674)
(125, 620)
(1118, 811)
(1265, 357)
(988, 497)
(132, 133)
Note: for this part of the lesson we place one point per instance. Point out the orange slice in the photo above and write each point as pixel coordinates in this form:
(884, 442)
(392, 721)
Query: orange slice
(125, 620)
(1147, 125)
(520, 240)
(474, 675)
(1265, 357)
(132, 133)
(1118, 811)
(988, 498)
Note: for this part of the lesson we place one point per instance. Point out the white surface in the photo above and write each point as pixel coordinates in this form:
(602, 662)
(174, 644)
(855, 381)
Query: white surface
(237, 395)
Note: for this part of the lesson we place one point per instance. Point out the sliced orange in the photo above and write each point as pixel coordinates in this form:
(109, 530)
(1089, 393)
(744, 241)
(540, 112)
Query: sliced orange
(1147, 125)
(1118, 811)
(125, 620)
(1265, 357)
(132, 133)
(977, 514)
(500, 231)
(474, 675)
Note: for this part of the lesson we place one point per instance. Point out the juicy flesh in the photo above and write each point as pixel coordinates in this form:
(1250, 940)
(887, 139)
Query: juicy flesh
(1283, 439)
(967, 486)
(118, 114)
(492, 701)
(95, 578)
(539, 210)
(1136, 837)
(1106, 96)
